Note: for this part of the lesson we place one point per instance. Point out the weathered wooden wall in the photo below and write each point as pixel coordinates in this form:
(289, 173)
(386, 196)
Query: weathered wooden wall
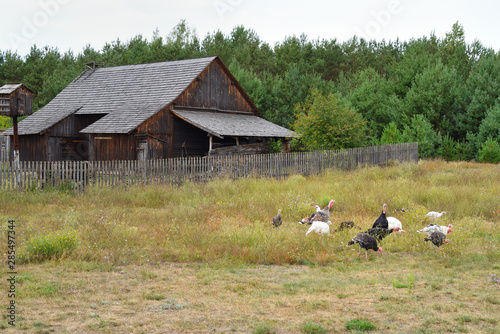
(31, 147)
(158, 132)
(112, 147)
(71, 125)
(214, 89)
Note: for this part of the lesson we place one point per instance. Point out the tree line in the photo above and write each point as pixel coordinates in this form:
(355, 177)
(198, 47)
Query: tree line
(439, 91)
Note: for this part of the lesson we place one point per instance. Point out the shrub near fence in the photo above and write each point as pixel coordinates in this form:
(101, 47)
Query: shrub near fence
(77, 175)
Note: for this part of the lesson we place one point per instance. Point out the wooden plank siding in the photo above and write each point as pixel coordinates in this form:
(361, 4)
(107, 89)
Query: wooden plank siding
(158, 131)
(112, 147)
(215, 89)
(78, 175)
(31, 147)
(61, 142)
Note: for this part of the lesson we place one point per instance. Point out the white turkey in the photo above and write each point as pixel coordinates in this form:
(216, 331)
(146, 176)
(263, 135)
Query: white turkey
(429, 229)
(434, 214)
(319, 227)
(393, 223)
(366, 242)
(277, 221)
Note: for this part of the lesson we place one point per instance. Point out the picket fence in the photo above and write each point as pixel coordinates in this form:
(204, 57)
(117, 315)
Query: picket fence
(78, 175)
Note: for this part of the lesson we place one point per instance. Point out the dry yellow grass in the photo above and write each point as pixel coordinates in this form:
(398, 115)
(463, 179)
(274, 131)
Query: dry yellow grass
(195, 298)
(204, 257)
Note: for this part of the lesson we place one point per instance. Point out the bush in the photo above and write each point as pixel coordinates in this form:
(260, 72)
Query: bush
(490, 151)
(44, 247)
(359, 325)
(324, 121)
(391, 134)
(420, 130)
(448, 149)
(275, 146)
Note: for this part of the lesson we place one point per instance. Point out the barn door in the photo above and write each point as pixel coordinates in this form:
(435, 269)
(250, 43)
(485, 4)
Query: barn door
(54, 149)
(142, 149)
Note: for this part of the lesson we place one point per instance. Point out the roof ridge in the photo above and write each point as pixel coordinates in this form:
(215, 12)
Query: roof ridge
(165, 62)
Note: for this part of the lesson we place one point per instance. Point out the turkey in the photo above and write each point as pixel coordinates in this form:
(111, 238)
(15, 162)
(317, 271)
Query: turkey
(437, 238)
(319, 227)
(277, 221)
(434, 214)
(307, 220)
(321, 215)
(429, 229)
(393, 223)
(365, 241)
(402, 209)
(380, 233)
(382, 219)
(345, 225)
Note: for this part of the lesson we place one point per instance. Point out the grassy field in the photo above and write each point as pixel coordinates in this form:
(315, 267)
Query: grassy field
(204, 258)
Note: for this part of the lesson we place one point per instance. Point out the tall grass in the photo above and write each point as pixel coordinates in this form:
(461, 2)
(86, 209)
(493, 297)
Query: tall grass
(229, 222)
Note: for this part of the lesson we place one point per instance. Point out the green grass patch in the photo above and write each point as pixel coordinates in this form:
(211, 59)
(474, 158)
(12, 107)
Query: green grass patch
(312, 328)
(153, 296)
(264, 329)
(359, 325)
(52, 246)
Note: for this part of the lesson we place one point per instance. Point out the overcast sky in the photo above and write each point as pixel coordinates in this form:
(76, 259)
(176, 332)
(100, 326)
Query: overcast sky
(72, 24)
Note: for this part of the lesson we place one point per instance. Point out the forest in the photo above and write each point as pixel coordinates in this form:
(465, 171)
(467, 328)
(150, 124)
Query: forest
(442, 92)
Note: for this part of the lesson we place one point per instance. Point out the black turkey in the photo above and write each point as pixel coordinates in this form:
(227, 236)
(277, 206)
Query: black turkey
(366, 242)
(380, 233)
(437, 238)
(382, 219)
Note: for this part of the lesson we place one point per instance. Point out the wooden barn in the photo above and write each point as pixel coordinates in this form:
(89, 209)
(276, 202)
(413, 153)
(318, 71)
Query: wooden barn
(160, 110)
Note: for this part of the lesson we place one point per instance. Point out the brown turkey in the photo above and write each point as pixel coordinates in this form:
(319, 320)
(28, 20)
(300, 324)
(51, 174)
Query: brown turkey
(366, 242)
(322, 215)
(277, 221)
(307, 220)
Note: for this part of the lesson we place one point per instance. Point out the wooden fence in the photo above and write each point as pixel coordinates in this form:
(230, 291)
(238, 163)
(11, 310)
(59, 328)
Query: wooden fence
(77, 175)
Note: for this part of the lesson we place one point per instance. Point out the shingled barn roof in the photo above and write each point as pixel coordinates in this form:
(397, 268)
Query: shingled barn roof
(223, 124)
(127, 95)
